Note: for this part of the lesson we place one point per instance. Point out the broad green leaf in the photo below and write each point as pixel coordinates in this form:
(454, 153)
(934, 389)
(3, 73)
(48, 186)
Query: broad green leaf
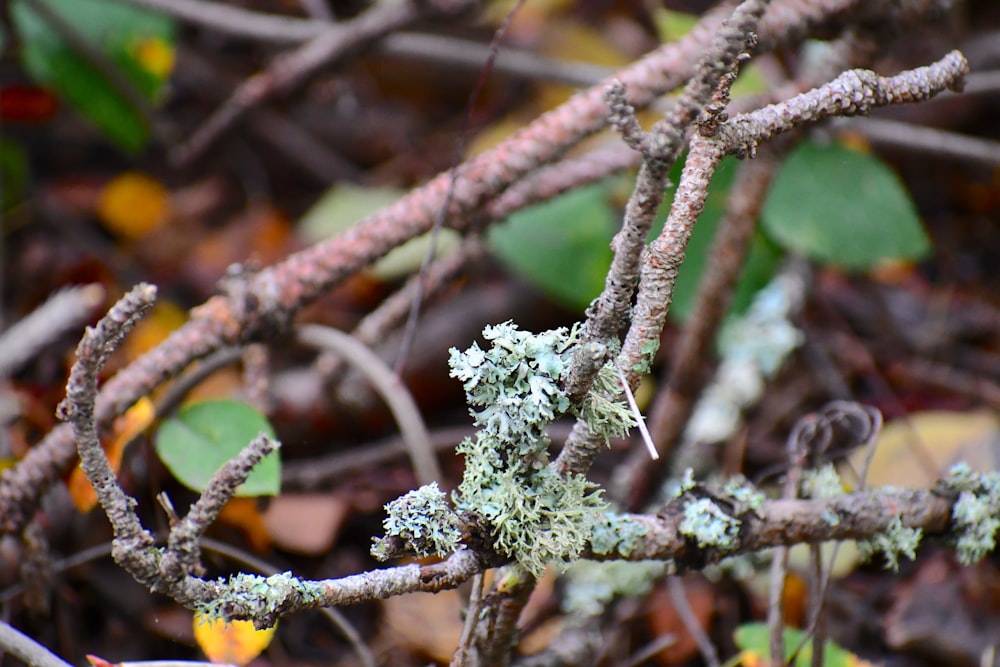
(203, 436)
(754, 640)
(761, 261)
(138, 42)
(844, 208)
(343, 205)
(562, 245)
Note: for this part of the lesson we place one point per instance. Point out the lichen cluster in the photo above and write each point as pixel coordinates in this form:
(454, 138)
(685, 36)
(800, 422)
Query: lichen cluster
(422, 521)
(975, 512)
(536, 516)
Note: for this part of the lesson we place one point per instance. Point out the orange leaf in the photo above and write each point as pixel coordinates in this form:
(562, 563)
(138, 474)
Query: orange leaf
(152, 329)
(99, 662)
(133, 205)
(233, 643)
(136, 420)
(243, 514)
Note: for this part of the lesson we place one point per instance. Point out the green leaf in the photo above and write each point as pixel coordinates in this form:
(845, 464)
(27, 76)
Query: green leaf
(761, 261)
(13, 174)
(844, 208)
(343, 205)
(756, 639)
(138, 42)
(562, 245)
(203, 436)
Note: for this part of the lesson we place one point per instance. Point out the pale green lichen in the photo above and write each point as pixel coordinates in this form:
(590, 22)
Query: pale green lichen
(708, 525)
(975, 512)
(745, 496)
(822, 482)
(536, 516)
(592, 585)
(897, 540)
(617, 534)
(262, 599)
(423, 521)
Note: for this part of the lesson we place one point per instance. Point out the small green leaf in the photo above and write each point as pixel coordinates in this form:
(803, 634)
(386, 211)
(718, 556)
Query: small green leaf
(203, 436)
(755, 638)
(761, 261)
(562, 245)
(13, 174)
(844, 208)
(343, 205)
(138, 42)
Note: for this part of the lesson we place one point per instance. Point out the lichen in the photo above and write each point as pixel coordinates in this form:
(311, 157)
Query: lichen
(897, 540)
(262, 599)
(514, 390)
(822, 482)
(591, 585)
(708, 525)
(975, 512)
(617, 534)
(422, 521)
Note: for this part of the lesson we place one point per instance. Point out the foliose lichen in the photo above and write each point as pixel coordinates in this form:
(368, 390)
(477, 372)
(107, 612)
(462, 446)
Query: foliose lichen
(706, 523)
(591, 585)
(536, 516)
(975, 512)
(897, 540)
(618, 534)
(822, 482)
(422, 521)
(262, 599)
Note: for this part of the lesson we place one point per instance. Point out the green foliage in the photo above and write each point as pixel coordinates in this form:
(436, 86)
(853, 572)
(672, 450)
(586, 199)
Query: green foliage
(138, 42)
(975, 512)
(343, 205)
(423, 520)
(536, 516)
(592, 585)
(561, 246)
(13, 174)
(706, 523)
(896, 541)
(761, 262)
(842, 207)
(203, 436)
(754, 642)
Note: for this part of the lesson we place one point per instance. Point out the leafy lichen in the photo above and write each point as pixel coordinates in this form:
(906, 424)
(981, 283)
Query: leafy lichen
(262, 599)
(822, 482)
(617, 534)
(422, 521)
(592, 585)
(707, 524)
(897, 540)
(975, 512)
(514, 390)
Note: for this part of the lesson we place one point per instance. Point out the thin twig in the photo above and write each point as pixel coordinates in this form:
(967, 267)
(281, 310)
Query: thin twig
(472, 614)
(65, 310)
(679, 597)
(928, 140)
(27, 649)
(390, 387)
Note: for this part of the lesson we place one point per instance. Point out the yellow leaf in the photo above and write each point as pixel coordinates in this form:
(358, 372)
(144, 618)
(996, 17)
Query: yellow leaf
(234, 643)
(133, 205)
(155, 55)
(135, 420)
(152, 329)
(917, 450)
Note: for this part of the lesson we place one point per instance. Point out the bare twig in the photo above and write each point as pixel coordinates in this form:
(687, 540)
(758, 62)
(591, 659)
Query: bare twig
(928, 140)
(679, 597)
(27, 649)
(390, 387)
(65, 310)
